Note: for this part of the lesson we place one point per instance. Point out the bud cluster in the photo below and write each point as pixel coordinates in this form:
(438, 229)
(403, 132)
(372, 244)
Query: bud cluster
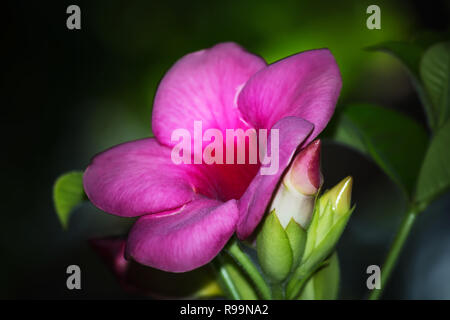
(302, 228)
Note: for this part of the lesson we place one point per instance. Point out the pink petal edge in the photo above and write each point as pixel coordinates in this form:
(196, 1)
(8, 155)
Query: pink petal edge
(305, 85)
(292, 133)
(139, 177)
(203, 86)
(183, 240)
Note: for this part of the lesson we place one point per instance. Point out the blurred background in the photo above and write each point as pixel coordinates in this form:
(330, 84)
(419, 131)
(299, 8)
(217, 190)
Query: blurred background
(68, 94)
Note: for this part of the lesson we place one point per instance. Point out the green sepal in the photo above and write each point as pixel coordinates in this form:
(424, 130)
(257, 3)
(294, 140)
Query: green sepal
(312, 231)
(316, 252)
(327, 217)
(274, 249)
(297, 239)
(323, 248)
(324, 284)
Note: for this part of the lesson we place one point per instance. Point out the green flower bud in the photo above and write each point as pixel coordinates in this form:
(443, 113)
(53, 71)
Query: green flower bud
(274, 249)
(331, 214)
(339, 197)
(282, 239)
(279, 250)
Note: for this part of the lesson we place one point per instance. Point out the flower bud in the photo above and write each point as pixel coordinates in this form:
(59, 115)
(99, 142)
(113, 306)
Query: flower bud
(339, 196)
(274, 250)
(279, 250)
(330, 218)
(295, 196)
(304, 173)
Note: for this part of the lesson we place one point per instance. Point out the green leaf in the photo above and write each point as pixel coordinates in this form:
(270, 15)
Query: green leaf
(68, 192)
(434, 177)
(394, 141)
(274, 249)
(324, 284)
(435, 73)
(410, 54)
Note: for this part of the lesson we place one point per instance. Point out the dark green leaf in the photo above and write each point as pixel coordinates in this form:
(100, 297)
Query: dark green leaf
(435, 73)
(434, 177)
(410, 54)
(68, 192)
(394, 141)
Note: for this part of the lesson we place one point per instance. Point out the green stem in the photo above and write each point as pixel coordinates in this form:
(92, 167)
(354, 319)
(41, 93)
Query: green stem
(244, 261)
(299, 280)
(219, 265)
(394, 251)
(278, 291)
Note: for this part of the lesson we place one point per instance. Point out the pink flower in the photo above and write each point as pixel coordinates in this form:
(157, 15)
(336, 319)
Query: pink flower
(188, 212)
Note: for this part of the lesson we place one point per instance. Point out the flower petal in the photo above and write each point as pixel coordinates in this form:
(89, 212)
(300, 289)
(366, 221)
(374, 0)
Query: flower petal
(185, 239)
(305, 85)
(293, 132)
(139, 177)
(203, 86)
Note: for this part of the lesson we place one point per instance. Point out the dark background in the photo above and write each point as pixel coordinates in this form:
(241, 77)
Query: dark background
(68, 94)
